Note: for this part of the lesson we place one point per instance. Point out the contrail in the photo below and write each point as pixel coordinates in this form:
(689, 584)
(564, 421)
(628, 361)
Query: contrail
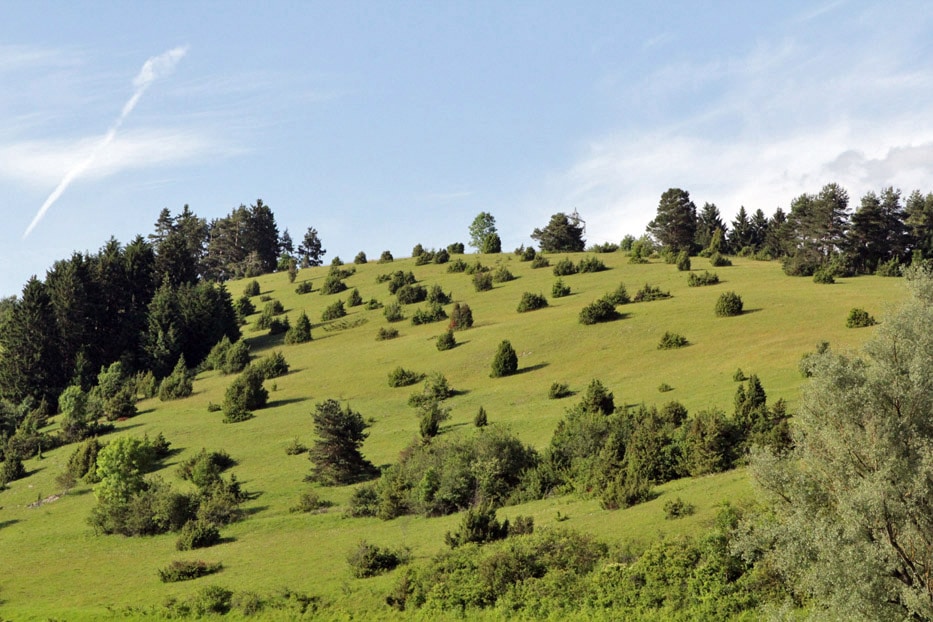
(154, 68)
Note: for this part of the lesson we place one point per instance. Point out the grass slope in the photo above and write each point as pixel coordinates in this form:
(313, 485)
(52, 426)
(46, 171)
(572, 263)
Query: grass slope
(55, 566)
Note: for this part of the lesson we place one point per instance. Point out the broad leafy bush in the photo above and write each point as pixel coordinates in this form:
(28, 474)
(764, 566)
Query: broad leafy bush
(700, 279)
(859, 318)
(729, 304)
(478, 525)
(531, 302)
(436, 389)
(564, 267)
(670, 341)
(272, 365)
(601, 310)
(204, 468)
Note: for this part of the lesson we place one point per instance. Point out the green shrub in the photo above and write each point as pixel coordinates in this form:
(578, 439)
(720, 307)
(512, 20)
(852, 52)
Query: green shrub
(244, 394)
(475, 268)
(364, 501)
(481, 420)
(461, 317)
(372, 304)
(729, 304)
(334, 311)
(393, 312)
(664, 387)
(304, 287)
(699, 280)
(204, 468)
(529, 254)
(619, 296)
(197, 534)
(559, 290)
(369, 560)
(456, 248)
(309, 502)
(185, 570)
(401, 377)
(564, 267)
(446, 341)
(824, 276)
(591, 264)
(540, 261)
(670, 341)
(442, 256)
(601, 310)
(360, 258)
(482, 281)
(502, 275)
(386, 257)
(398, 279)
(272, 365)
(859, 318)
(385, 334)
(717, 260)
(251, 289)
(176, 385)
(295, 448)
(457, 265)
(683, 261)
(300, 332)
(433, 313)
(354, 299)
(649, 293)
(606, 247)
(889, 268)
(333, 284)
(243, 307)
(739, 375)
(479, 525)
(411, 294)
(505, 362)
(531, 302)
(559, 390)
(437, 295)
(677, 508)
(436, 389)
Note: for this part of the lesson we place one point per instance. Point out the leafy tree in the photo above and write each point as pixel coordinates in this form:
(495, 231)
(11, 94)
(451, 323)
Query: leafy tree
(852, 499)
(563, 234)
(336, 455)
(483, 235)
(506, 361)
(675, 224)
(310, 250)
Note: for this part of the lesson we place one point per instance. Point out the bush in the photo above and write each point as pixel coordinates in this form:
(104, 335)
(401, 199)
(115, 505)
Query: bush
(456, 248)
(360, 258)
(251, 289)
(401, 377)
(683, 261)
(591, 264)
(502, 275)
(438, 296)
(529, 254)
(564, 267)
(272, 365)
(442, 256)
(457, 265)
(300, 332)
(601, 310)
(295, 448)
(310, 501)
(243, 307)
(606, 247)
(482, 281)
(670, 341)
(369, 560)
(354, 299)
(505, 362)
(475, 268)
(411, 294)
(204, 468)
(386, 257)
(729, 304)
(699, 280)
(393, 312)
(334, 311)
(649, 293)
(397, 280)
(184, 570)
(436, 389)
(176, 385)
(824, 276)
(664, 387)
(559, 390)
(717, 260)
(479, 525)
(677, 508)
(619, 296)
(333, 284)
(244, 394)
(481, 420)
(859, 318)
(433, 313)
(559, 290)
(461, 317)
(385, 334)
(889, 268)
(531, 302)
(739, 375)
(372, 304)
(197, 534)
(540, 261)
(446, 341)
(364, 501)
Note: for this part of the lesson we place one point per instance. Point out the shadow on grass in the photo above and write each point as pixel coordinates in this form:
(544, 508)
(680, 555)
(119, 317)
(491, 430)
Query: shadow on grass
(266, 341)
(255, 510)
(530, 368)
(8, 523)
(286, 402)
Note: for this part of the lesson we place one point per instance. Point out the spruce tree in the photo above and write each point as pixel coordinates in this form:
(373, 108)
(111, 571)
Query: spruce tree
(506, 361)
(336, 455)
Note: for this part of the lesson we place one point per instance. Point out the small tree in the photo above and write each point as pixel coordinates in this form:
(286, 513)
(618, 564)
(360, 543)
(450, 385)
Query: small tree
(354, 299)
(859, 318)
(335, 455)
(506, 361)
(483, 235)
(461, 317)
(531, 302)
(559, 289)
(360, 258)
(334, 311)
(482, 281)
(386, 257)
(244, 395)
(729, 304)
(177, 384)
(446, 341)
(300, 332)
(683, 261)
(481, 420)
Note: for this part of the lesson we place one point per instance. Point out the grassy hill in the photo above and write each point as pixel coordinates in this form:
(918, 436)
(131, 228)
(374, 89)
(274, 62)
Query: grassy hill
(56, 566)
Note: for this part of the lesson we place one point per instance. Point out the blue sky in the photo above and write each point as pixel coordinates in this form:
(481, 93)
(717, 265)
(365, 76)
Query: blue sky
(386, 124)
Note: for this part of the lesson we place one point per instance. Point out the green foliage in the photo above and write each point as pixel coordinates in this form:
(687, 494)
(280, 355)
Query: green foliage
(393, 312)
(528, 254)
(601, 310)
(664, 388)
(354, 299)
(482, 281)
(305, 287)
(446, 341)
(384, 334)
(368, 560)
(372, 304)
(461, 317)
(540, 261)
(479, 525)
(718, 260)
(273, 365)
(559, 390)
(430, 417)
(563, 234)
(559, 289)
(411, 294)
(397, 280)
(475, 268)
(859, 318)
(729, 304)
(333, 284)
(436, 295)
(300, 332)
(824, 276)
(432, 313)
(619, 296)
(251, 289)
(360, 258)
(386, 257)
(670, 341)
(505, 362)
(310, 502)
(531, 302)
(564, 267)
(82, 464)
(197, 534)
(401, 377)
(186, 570)
(502, 274)
(456, 248)
(649, 293)
(457, 266)
(739, 375)
(480, 419)
(605, 247)
(244, 395)
(483, 235)
(335, 455)
(178, 384)
(706, 278)
(436, 389)
(591, 264)
(677, 508)
(683, 261)
(334, 311)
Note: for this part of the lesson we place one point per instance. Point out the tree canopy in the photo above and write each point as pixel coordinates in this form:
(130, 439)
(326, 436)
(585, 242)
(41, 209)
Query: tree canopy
(675, 224)
(563, 234)
(483, 234)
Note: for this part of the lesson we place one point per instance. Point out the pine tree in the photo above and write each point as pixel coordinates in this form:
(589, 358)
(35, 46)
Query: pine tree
(336, 455)
(506, 361)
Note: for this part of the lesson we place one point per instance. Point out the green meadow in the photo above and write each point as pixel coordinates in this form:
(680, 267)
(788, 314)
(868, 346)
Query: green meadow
(54, 566)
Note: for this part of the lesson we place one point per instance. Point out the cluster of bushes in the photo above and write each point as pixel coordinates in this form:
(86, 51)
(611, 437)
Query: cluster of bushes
(397, 280)
(411, 294)
(649, 293)
(245, 394)
(227, 357)
(393, 312)
(461, 317)
(184, 570)
(368, 560)
(602, 310)
(564, 267)
(432, 313)
(457, 265)
(502, 275)
(300, 332)
(431, 256)
(706, 278)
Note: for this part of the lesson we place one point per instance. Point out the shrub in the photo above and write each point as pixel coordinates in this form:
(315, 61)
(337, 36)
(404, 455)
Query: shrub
(619, 296)
(456, 248)
(482, 281)
(699, 280)
(304, 287)
(559, 390)
(401, 377)
(559, 290)
(411, 294)
(272, 365)
(278, 326)
(683, 261)
(446, 341)
(417, 251)
(529, 254)
(461, 317)
(564, 267)
(430, 416)
(197, 534)
(531, 302)
(360, 258)
(859, 318)
(739, 375)
(591, 264)
(481, 420)
(295, 448)
(478, 525)
(889, 268)
(176, 385)
(369, 560)
(729, 304)
(334, 311)
(204, 468)
(670, 341)
(393, 312)
(649, 293)
(433, 313)
(354, 299)
(824, 276)
(717, 260)
(601, 310)
(333, 284)
(436, 389)
(505, 362)
(438, 296)
(372, 304)
(540, 261)
(475, 268)
(457, 265)
(386, 257)
(364, 501)
(251, 289)
(184, 570)
(244, 394)
(441, 256)
(300, 332)
(385, 334)
(310, 501)
(664, 387)
(677, 508)
(502, 275)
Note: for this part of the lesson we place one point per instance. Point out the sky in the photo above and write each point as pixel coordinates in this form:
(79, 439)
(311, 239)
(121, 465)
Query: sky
(385, 124)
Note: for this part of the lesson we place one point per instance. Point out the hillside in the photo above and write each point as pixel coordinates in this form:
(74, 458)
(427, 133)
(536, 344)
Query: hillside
(63, 570)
